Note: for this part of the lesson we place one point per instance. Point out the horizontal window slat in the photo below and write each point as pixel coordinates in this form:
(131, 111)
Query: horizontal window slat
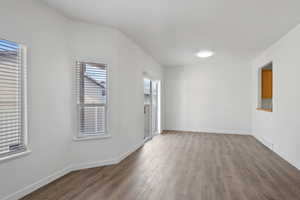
(9, 126)
(9, 142)
(4, 130)
(6, 95)
(14, 68)
(7, 119)
(8, 47)
(9, 137)
(9, 72)
(8, 90)
(92, 105)
(10, 122)
(9, 97)
(8, 84)
(12, 53)
(12, 56)
(8, 107)
(11, 132)
(9, 152)
(5, 51)
(9, 111)
(10, 66)
(3, 153)
(9, 80)
(7, 60)
(11, 76)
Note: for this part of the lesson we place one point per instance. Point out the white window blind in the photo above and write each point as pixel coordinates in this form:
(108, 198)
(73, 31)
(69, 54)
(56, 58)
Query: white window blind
(92, 98)
(12, 94)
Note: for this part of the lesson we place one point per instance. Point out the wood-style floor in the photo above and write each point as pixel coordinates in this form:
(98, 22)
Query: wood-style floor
(184, 166)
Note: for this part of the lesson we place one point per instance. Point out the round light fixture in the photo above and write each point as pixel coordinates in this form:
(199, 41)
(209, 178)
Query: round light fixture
(205, 54)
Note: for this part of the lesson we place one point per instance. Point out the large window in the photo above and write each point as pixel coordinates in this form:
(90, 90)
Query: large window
(92, 99)
(13, 138)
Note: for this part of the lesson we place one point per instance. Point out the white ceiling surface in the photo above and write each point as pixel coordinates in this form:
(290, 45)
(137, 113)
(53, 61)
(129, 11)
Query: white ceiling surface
(172, 31)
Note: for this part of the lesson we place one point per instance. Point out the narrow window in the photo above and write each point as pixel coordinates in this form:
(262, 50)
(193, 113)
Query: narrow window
(13, 138)
(92, 99)
(265, 101)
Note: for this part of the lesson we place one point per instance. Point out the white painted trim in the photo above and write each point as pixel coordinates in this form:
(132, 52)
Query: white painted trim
(25, 96)
(112, 161)
(273, 149)
(133, 149)
(28, 189)
(16, 155)
(147, 139)
(93, 164)
(44, 181)
(98, 137)
(233, 132)
(23, 192)
(156, 133)
(265, 142)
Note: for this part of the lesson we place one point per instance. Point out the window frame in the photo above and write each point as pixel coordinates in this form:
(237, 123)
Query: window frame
(79, 78)
(24, 110)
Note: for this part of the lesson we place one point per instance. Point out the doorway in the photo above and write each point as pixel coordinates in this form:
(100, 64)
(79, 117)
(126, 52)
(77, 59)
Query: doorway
(151, 108)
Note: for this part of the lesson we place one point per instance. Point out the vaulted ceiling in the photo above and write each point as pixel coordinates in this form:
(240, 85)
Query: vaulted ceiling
(172, 31)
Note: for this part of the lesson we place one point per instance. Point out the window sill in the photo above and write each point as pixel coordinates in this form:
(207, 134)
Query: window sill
(265, 109)
(99, 137)
(13, 156)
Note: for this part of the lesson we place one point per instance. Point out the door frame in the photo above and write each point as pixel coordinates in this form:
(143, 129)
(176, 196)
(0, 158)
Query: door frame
(153, 132)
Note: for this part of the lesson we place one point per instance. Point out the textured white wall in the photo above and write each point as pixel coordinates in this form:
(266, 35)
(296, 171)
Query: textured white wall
(54, 45)
(213, 96)
(280, 129)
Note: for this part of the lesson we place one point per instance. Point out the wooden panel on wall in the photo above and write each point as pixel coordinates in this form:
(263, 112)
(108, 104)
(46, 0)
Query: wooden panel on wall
(266, 84)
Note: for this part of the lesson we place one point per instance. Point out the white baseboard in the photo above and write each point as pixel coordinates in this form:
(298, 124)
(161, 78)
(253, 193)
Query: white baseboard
(112, 161)
(133, 149)
(272, 147)
(233, 132)
(265, 142)
(93, 164)
(28, 189)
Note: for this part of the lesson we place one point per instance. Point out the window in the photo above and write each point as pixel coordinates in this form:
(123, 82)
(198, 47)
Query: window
(13, 138)
(92, 99)
(265, 101)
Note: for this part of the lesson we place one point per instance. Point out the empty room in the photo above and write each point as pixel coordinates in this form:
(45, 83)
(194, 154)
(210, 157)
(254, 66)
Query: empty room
(149, 100)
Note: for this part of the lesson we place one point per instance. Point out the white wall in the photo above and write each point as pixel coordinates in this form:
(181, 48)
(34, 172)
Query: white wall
(54, 45)
(49, 92)
(126, 62)
(212, 96)
(280, 129)
(91, 43)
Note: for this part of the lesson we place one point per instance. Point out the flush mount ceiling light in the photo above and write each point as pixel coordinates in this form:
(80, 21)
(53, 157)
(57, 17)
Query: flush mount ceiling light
(205, 54)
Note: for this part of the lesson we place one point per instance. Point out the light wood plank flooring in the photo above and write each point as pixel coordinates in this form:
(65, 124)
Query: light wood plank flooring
(184, 166)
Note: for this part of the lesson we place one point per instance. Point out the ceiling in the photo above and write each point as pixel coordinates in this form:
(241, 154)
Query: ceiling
(172, 31)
